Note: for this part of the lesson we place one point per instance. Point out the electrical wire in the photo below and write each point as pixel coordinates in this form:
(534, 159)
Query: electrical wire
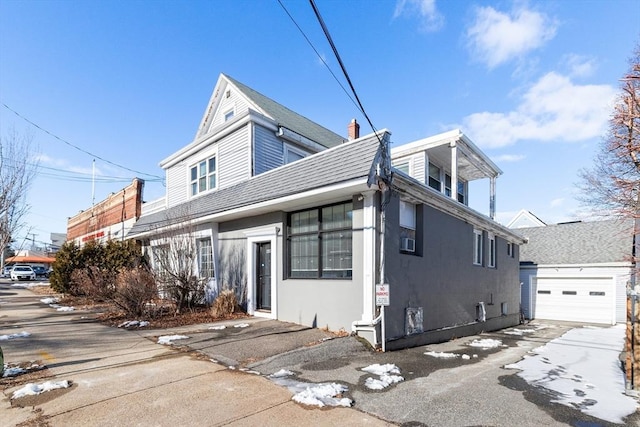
(75, 146)
(342, 66)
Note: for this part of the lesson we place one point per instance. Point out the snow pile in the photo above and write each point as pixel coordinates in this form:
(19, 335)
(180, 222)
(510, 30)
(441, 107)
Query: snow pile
(168, 339)
(519, 332)
(385, 372)
(321, 395)
(441, 354)
(589, 378)
(132, 323)
(22, 334)
(64, 308)
(444, 355)
(218, 327)
(49, 300)
(241, 325)
(33, 389)
(486, 343)
(281, 374)
(14, 371)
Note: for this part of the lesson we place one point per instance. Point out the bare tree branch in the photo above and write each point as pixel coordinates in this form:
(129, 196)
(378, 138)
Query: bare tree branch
(17, 170)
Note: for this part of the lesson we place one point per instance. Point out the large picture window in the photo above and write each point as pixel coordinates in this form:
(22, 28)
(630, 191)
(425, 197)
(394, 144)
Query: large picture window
(203, 176)
(320, 242)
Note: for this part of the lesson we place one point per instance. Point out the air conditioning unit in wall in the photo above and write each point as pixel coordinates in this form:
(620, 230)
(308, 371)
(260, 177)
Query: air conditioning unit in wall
(407, 244)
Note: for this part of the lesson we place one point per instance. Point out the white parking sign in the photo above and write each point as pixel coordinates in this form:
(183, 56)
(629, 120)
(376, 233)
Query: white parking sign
(382, 294)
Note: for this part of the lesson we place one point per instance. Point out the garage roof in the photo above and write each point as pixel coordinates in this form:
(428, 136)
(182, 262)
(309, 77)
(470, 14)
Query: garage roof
(578, 242)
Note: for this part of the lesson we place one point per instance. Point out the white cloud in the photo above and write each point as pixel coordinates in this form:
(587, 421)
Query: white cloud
(508, 158)
(496, 37)
(557, 202)
(430, 18)
(553, 109)
(580, 66)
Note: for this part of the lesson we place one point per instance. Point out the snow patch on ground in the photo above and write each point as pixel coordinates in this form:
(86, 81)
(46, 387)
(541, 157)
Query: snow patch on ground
(519, 332)
(218, 327)
(168, 339)
(590, 379)
(134, 323)
(22, 334)
(486, 343)
(33, 389)
(49, 300)
(241, 325)
(29, 285)
(444, 355)
(321, 395)
(386, 373)
(64, 308)
(14, 371)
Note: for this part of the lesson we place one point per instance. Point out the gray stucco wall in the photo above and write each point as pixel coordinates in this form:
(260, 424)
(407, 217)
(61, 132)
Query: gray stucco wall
(442, 279)
(326, 303)
(312, 302)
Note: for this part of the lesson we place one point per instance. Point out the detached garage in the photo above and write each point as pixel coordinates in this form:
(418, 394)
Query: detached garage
(576, 271)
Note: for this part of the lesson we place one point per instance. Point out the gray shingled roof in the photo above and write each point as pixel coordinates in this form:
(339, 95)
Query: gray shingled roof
(290, 119)
(578, 242)
(340, 164)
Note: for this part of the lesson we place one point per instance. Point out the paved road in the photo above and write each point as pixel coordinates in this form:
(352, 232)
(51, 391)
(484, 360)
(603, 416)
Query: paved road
(125, 378)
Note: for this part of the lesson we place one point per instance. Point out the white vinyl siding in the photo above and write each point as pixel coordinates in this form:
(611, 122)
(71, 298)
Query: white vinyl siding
(234, 102)
(268, 150)
(234, 158)
(177, 186)
(414, 166)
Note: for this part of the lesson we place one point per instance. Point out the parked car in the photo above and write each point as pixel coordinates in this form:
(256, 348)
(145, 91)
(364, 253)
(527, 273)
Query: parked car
(22, 272)
(41, 271)
(6, 271)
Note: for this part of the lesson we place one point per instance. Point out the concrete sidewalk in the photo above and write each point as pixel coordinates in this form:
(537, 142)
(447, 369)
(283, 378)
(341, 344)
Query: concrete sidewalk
(124, 378)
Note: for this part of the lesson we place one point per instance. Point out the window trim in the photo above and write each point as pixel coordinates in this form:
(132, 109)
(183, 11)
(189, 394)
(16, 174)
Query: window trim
(318, 232)
(478, 250)
(194, 184)
(229, 114)
(199, 246)
(291, 149)
(492, 250)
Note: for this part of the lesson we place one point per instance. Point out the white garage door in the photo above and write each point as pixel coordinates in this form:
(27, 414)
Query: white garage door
(574, 299)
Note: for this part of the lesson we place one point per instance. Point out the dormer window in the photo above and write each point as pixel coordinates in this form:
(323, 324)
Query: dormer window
(203, 176)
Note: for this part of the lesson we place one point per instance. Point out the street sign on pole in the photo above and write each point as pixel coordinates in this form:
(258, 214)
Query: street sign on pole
(382, 294)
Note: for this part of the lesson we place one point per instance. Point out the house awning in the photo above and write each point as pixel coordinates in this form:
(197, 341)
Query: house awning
(29, 259)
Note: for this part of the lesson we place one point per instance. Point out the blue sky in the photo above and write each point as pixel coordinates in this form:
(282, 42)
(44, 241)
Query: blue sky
(531, 83)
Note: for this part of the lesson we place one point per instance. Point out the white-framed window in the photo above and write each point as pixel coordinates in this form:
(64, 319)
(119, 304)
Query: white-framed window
(477, 247)
(447, 185)
(404, 166)
(462, 191)
(205, 258)
(492, 250)
(435, 181)
(408, 227)
(229, 115)
(291, 154)
(510, 251)
(203, 176)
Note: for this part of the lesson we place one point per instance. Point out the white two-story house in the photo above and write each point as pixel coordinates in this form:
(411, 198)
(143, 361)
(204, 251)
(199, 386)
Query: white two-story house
(303, 224)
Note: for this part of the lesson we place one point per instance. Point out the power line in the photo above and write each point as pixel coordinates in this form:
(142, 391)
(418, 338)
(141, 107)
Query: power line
(75, 146)
(318, 53)
(344, 69)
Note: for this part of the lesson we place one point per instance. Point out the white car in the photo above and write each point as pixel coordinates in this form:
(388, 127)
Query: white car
(22, 272)
(6, 271)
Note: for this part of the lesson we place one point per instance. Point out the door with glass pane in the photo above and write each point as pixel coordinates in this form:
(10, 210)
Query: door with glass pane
(263, 279)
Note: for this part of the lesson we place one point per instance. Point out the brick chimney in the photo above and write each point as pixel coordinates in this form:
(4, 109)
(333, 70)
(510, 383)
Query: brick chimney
(354, 130)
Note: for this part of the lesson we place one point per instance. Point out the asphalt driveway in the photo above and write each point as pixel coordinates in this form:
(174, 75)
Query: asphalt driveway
(124, 377)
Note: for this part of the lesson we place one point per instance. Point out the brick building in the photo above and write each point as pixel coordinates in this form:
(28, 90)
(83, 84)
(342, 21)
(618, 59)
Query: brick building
(109, 219)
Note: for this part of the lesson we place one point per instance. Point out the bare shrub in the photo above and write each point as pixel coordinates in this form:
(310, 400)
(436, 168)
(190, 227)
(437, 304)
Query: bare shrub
(225, 304)
(134, 289)
(92, 282)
